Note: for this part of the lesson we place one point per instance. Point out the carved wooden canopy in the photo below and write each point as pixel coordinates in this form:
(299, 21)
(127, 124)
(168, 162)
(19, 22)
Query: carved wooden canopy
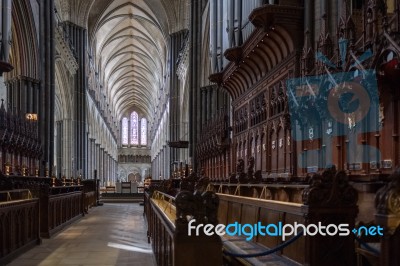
(277, 36)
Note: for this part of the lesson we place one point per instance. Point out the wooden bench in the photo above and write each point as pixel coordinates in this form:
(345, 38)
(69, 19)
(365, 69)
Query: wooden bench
(90, 195)
(250, 211)
(169, 236)
(282, 192)
(330, 200)
(239, 245)
(19, 220)
(306, 250)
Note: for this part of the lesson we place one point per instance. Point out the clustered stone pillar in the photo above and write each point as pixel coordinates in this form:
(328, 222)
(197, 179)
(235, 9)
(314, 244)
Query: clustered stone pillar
(47, 87)
(22, 95)
(5, 30)
(101, 166)
(78, 36)
(176, 43)
(98, 163)
(155, 166)
(195, 55)
(90, 158)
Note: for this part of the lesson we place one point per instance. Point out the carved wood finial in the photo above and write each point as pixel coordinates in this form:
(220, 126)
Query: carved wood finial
(200, 206)
(387, 199)
(330, 189)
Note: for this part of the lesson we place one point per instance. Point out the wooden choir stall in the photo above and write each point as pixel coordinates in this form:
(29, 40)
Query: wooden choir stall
(32, 207)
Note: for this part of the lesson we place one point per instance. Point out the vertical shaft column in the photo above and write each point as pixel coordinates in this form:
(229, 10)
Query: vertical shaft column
(93, 158)
(47, 91)
(195, 56)
(97, 159)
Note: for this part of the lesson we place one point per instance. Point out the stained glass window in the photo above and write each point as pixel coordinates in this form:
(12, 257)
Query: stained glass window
(124, 131)
(134, 129)
(143, 131)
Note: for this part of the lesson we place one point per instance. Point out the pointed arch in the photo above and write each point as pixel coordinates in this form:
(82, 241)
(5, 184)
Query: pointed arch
(134, 128)
(143, 131)
(124, 131)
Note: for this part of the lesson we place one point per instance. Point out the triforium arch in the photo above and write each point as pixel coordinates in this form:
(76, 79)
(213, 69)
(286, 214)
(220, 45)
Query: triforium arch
(24, 51)
(23, 80)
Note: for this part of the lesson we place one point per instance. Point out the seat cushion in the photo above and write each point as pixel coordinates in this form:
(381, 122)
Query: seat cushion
(239, 245)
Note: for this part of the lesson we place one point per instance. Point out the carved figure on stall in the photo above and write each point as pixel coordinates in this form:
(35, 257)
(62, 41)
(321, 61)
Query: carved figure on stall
(240, 175)
(250, 169)
(257, 177)
(202, 172)
(201, 185)
(387, 199)
(232, 178)
(186, 185)
(185, 207)
(211, 203)
(330, 188)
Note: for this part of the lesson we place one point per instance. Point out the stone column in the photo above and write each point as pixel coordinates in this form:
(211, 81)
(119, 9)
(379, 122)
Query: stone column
(93, 148)
(47, 77)
(5, 45)
(104, 164)
(162, 163)
(97, 159)
(105, 167)
(195, 56)
(115, 174)
(68, 136)
(114, 169)
(90, 158)
(203, 106)
(110, 178)
(100, 165)
(3, 91)
(78, 36)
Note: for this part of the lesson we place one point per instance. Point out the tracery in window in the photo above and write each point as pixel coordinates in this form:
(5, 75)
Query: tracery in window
(124, 131)
(134, 129)
(143, 131)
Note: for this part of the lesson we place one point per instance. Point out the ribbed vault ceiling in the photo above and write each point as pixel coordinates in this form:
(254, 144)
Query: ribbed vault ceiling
(130, 38)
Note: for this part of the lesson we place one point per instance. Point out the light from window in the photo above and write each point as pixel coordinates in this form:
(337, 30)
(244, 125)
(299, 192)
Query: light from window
(124, 131)
(143, 136)
(134, 129)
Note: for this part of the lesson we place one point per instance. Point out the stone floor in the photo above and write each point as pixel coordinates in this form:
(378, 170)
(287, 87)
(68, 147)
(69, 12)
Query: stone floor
(112, 234)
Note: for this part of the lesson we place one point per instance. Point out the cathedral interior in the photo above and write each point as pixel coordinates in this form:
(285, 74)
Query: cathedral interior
(132, 131)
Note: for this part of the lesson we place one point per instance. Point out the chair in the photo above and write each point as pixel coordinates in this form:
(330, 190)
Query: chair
(126, 185)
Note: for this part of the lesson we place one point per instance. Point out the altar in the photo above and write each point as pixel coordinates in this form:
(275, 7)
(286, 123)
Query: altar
(126, 187)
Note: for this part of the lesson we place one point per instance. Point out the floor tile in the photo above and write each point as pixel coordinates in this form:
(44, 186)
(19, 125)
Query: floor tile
(112, 234)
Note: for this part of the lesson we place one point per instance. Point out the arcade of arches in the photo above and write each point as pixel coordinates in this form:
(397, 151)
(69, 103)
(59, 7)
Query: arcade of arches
(229, 96)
